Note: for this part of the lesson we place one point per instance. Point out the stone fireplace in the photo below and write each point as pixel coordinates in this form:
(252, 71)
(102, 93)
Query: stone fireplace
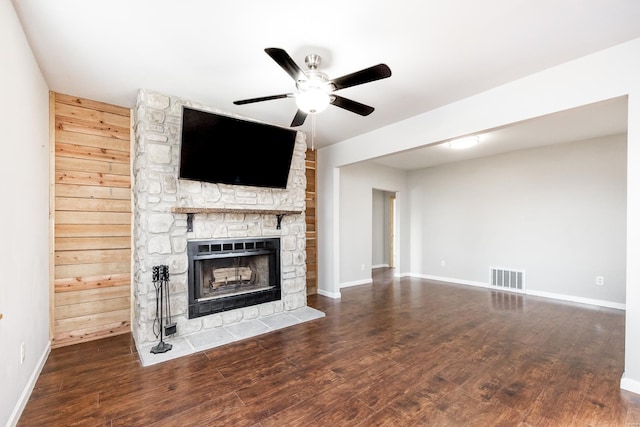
(213, 222)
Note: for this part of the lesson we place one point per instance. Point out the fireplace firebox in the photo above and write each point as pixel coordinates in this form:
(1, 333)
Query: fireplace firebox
(229, 274)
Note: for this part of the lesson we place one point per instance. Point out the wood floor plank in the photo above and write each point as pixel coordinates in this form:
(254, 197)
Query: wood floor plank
(399, 352)
(310, 407)
(287, 386)
(342, 413)
(212, 411)
(463, 410)
(420, 404)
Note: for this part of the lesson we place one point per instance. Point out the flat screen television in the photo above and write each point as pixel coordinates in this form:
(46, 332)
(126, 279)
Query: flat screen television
(222, 149)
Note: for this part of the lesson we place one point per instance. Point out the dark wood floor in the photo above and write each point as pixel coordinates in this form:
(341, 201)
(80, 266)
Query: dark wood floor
(399, 352)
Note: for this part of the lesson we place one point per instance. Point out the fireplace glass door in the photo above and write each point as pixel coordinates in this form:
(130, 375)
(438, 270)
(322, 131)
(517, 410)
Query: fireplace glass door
(229, 274)
(233, 275)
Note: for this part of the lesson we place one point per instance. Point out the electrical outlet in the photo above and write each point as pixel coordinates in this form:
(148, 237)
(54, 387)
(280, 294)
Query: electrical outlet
(362, 267)
(443, 263)
(600, 280)
(22, 353)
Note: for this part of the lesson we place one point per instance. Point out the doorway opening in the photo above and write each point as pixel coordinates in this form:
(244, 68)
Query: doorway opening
(383, 229)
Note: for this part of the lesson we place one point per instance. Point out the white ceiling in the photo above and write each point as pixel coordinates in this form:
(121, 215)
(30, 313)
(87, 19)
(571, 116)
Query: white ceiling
(212, 52)
(590, 121)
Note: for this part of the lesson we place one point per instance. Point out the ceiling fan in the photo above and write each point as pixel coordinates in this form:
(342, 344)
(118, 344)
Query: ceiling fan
(315, 91)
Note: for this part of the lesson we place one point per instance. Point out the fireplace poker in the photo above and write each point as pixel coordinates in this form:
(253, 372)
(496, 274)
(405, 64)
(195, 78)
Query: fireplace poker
(170, 327)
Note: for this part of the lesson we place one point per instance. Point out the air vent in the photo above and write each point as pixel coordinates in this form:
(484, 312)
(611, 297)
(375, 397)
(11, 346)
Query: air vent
(507, 279)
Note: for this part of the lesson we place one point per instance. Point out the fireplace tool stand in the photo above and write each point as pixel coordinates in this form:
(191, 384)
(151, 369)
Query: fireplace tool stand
(161, 281)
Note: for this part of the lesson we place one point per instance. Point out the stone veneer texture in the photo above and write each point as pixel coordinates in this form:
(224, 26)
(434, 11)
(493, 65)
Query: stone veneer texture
(160, 236)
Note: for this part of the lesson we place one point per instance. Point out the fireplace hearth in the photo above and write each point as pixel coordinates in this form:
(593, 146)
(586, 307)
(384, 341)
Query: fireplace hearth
(228, 274)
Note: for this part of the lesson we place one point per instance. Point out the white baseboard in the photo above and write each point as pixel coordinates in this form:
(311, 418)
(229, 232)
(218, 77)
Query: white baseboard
(452, 280)
(28, 388)
(590, 301)
(356, 283)
(380, 266)
(630, 385)
(550, 295)
(333, 295)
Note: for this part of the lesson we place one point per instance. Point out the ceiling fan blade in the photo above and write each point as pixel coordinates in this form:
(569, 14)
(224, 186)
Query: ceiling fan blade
(284, 60)
(350, 105)
(299, 118)
(377, 72)
(263, 98)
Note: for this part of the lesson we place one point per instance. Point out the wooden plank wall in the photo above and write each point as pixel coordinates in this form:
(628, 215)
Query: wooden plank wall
(310, 217)
(92, 223)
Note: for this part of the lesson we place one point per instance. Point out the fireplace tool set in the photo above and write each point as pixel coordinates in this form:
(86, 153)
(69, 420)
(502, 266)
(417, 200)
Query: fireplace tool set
(165, 325)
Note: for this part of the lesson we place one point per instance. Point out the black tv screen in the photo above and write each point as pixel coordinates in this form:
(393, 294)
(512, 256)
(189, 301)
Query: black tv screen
(223, 149)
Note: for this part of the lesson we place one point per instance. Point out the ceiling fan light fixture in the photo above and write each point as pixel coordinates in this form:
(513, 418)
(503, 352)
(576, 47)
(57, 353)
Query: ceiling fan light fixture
(462, 143)
(313, 100)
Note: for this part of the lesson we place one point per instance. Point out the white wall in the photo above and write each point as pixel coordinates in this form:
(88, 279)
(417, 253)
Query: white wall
(604, 75)
(356, 216)
(24, 224)
(556, 212)
(380, 229)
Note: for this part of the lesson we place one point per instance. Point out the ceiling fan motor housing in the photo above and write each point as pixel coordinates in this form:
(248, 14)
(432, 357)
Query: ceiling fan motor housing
(313, 61)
